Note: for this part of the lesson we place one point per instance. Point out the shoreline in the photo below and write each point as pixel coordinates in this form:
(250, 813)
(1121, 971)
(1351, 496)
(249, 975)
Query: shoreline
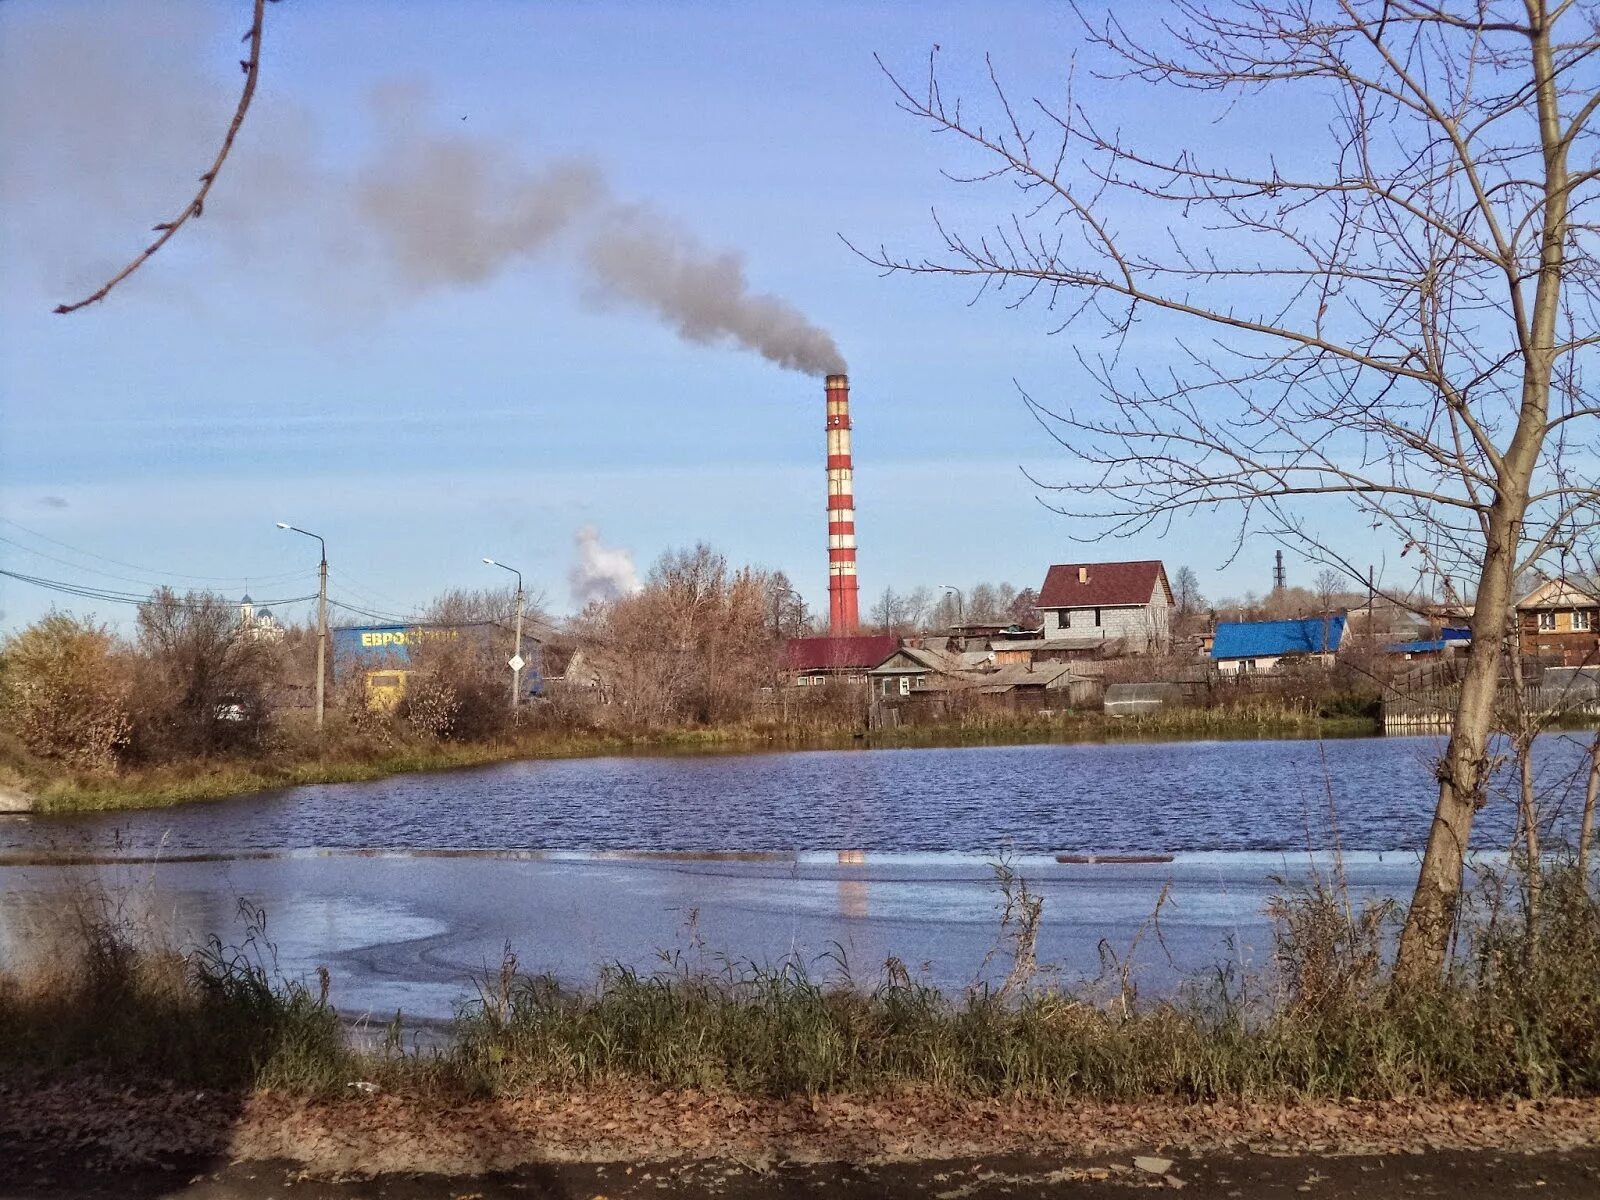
(41, 792)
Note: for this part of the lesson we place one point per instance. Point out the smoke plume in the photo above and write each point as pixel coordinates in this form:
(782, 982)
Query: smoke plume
(601, 572)
(636, 256)
(460, 210)
(107, 111)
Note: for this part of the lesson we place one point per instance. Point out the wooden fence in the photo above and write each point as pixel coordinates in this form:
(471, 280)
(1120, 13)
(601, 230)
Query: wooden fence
(1425, 710)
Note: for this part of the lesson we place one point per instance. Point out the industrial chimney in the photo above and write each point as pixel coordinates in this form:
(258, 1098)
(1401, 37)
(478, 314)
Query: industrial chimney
(843, 614)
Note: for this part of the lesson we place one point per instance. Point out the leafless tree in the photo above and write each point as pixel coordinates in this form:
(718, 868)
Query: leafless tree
(1188, 605)
(1400, 329)
(200, 685)
(1329, 587)
(1024, 610)
(693, 645)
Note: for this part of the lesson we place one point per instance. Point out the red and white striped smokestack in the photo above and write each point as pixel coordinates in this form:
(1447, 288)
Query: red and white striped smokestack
(843, 614)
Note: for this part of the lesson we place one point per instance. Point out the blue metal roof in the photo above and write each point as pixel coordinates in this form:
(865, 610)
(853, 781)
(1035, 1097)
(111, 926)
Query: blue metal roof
(1428, 647)
(1267, 639)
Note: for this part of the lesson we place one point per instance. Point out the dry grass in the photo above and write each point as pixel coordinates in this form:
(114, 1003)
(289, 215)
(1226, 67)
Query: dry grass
(1517, 1017)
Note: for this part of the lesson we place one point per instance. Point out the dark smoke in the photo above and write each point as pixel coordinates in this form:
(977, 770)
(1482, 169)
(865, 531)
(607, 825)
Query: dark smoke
(637, 257)
(108, 110)
(460, 210)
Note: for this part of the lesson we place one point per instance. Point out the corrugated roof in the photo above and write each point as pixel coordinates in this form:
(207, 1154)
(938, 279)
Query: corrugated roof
(839, 653)
(1104, 585)
(1267, 639)
(1061, 643)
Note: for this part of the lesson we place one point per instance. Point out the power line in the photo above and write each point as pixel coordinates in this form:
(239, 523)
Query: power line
(146, 582)
(149, 571)
(112, 596)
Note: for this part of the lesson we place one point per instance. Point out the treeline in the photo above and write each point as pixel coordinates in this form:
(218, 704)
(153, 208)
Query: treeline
(693, 647)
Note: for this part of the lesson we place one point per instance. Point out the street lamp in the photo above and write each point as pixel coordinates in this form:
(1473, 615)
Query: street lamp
(322, 617)
(516, 656)
(961, 603)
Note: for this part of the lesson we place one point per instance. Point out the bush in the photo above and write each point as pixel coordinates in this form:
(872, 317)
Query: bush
(202, 686)
(64, 691)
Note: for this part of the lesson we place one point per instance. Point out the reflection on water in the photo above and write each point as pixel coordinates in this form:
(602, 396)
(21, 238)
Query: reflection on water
(852, 886)
(1135, 798)
(412, 932)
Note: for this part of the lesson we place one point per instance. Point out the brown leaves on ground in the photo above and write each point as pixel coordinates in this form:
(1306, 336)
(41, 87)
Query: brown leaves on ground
(397, 1133)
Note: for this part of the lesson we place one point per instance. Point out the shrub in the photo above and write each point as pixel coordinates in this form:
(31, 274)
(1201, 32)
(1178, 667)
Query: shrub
(64, 692)
(203, 686)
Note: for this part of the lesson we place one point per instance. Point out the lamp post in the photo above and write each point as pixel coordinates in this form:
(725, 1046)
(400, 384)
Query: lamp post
(961, 603)
(322, 617)
(516, 655)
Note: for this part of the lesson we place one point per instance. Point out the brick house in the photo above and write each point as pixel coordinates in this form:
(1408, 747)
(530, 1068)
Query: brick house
(1561, 619)
(1125, 602)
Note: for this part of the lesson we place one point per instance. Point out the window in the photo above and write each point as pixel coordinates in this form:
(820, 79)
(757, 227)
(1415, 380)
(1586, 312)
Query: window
(1063, 619)
(1547, 619)
(1097, 618)
(905, 685)
(1582, 620)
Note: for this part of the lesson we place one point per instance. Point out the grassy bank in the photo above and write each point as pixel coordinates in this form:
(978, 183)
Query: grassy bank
(346, 759)
(1518, 1017)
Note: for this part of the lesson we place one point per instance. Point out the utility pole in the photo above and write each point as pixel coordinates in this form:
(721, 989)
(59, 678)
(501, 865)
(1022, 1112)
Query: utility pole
(515, 662)
(322, 618)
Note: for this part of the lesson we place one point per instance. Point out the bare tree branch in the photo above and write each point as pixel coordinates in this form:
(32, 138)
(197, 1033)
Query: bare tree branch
(166, 229)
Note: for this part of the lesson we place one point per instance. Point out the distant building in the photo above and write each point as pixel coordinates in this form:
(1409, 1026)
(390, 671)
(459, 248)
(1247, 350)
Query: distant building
(1088, 606)
(1561, 619)
(1246, 647)
(816, 660)
(383, 654)
(1449, 641)
(258, 623)
(914, 671)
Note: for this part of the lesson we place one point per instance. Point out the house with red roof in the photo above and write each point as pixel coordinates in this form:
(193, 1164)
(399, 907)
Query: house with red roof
(1107, 608)
(815, 660)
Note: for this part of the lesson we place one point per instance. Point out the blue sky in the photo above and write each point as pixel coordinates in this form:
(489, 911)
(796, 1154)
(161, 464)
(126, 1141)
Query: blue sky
(267, 366)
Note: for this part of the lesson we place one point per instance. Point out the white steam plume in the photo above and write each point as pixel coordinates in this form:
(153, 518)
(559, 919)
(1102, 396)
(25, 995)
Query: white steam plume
(601, 572)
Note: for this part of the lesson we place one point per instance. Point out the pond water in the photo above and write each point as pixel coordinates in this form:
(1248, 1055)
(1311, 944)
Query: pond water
(1366, 793)
(407, 888)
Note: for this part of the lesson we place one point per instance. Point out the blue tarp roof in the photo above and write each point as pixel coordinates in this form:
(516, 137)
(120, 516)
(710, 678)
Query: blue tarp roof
(1447, 637)
(1266, 639)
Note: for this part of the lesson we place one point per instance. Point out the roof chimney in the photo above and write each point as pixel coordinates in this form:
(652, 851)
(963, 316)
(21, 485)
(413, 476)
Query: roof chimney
(1083, 574)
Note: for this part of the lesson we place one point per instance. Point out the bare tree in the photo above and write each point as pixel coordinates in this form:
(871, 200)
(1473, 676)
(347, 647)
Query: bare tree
(1328, 587)
(889, 612)
(1400, 329)
(200, 684)
(1188, 605)
(918, 604)
(1024, 610)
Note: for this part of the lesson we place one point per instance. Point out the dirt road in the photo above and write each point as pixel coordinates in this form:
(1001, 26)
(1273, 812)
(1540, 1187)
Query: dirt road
(1447, 1176)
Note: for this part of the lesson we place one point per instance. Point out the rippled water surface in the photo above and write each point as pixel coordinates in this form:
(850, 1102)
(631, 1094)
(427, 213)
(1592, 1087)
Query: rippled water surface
(1176, 796)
